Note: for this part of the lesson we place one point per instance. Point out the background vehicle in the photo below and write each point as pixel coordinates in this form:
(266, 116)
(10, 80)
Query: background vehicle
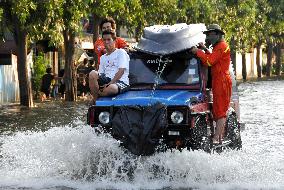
(170, 101)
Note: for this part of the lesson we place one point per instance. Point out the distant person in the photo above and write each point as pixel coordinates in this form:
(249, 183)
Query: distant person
(112, 77)
(90, 68)
(83, 77)
(61, 88)
(84, 88)
(46, 82)
(107, 24)
(219, 61)
(82, 68)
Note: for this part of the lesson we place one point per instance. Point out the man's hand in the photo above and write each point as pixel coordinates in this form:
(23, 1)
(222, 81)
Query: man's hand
(194, 50)
(104, 51)
(102, 88)
(201, 46)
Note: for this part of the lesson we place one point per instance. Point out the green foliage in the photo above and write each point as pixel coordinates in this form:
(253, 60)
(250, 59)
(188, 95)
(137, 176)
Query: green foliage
(39, 67)
(1, 14)
(197, 11)
(137, 14)
(275, 19)
(246, 22)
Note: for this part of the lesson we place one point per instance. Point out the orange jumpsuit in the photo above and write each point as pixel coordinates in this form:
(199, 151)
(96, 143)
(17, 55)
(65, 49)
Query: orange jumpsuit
(99, 46)
(219, 61)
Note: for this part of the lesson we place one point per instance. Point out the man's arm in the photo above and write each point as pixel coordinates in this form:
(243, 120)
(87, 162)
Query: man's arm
(117, 75)
(208, 59)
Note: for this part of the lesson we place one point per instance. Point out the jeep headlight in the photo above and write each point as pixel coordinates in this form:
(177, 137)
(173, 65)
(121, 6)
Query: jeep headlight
(104, 117)
(177, 117)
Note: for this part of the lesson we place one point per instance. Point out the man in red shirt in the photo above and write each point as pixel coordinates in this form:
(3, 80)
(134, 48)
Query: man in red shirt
(219, 61)
(107, 24)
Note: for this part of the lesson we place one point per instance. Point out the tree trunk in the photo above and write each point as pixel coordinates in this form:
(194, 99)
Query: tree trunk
(258, 64)
(70, 74)
(278, 59)
(26, 97)
(269, 58)
(233, 55)
(96, 34)
(117, 31)
(138, 31)
(244, 66)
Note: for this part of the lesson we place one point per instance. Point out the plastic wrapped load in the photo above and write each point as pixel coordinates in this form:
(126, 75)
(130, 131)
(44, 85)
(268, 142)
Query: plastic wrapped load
(139, 128)
(170, 39)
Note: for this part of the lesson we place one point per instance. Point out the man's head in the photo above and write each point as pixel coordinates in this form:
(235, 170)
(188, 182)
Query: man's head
(109, 37)
(107, 24)
(214, 34)
(85, 61)
(48, 70)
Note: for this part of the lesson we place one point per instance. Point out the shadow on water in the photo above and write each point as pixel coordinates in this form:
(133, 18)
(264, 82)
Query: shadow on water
(43, 116)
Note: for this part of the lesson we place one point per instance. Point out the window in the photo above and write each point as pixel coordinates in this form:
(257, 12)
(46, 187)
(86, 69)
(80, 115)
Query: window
(164, 70)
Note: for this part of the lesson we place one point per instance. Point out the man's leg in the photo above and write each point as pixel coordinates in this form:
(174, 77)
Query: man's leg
(109, 90)
(219, 132)
(93, 84)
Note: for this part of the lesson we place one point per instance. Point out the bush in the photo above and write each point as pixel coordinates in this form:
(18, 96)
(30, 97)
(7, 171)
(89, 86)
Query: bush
(39, 68)
(273, 69)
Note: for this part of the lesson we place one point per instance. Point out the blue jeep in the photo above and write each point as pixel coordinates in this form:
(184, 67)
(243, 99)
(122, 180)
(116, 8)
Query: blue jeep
(169, 103)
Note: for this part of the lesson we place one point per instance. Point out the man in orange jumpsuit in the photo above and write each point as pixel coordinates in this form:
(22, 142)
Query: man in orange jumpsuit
(99, 47)
(219, 61)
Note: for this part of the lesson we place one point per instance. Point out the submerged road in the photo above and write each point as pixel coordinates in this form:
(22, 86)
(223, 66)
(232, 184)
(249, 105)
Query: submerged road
(51, 147)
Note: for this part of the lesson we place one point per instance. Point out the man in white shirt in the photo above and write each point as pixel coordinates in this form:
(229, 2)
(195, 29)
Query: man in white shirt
(112, 77)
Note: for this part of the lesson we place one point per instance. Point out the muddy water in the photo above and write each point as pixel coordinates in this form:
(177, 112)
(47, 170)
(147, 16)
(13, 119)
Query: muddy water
(51, 147)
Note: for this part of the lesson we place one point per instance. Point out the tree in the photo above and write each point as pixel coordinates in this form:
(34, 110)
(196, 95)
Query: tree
(197, 11)
(19, 18)
(39, 69)
(260, 30)
(239, 24)
(65, 18)
(276, 34)
(158, 12)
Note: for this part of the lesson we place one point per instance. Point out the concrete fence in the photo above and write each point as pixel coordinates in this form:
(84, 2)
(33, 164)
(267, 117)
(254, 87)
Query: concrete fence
(250, 64)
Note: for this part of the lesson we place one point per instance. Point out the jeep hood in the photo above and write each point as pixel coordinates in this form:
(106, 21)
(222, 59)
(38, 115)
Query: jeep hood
(147, 97)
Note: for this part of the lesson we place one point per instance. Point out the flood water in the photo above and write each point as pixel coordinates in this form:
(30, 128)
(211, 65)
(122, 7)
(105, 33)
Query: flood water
(51, 147)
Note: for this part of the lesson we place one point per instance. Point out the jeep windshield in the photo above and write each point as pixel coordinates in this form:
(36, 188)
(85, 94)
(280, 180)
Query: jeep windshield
(168, 72)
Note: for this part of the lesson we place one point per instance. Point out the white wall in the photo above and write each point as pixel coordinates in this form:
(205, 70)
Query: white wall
(9, 84)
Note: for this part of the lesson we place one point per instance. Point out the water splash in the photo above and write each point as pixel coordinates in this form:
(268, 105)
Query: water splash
(72, 156)
(78, 156)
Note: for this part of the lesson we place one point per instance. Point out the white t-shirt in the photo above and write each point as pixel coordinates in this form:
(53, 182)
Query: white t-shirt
(109, 64)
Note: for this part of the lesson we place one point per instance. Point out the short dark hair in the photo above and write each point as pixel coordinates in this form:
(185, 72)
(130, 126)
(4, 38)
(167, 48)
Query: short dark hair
(48, 70)
(106, 20)
(85, 61)
(111, 32)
